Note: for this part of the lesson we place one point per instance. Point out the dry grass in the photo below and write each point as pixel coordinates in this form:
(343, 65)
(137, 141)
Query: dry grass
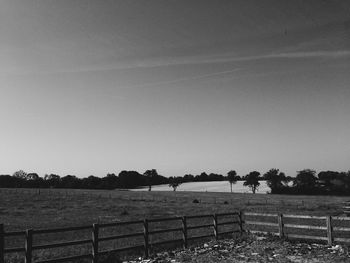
(26, 208)
(30, 208)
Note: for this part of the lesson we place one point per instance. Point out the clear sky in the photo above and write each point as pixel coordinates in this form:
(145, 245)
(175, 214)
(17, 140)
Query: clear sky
(183, 86)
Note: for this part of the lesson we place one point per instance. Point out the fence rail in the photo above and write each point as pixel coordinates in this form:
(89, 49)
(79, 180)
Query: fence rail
(96, 237)
(328, 228)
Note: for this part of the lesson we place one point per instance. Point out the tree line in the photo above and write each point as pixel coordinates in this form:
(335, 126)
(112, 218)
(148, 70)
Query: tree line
(124, 180)
(305, 182)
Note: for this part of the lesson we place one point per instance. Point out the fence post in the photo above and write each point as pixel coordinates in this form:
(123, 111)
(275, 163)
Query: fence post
(145, 235)
(184, 232)
(2, 244)
(329, 230)
(215, 225)
(280, 225)
(95, 231)
(28, 246)
(240, 221)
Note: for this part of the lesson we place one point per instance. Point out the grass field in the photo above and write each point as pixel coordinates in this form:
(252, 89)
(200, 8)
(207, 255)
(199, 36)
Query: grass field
(50, 208)
(32, 208)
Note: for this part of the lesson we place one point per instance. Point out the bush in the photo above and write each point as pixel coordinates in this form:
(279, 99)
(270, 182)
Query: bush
(195, 201)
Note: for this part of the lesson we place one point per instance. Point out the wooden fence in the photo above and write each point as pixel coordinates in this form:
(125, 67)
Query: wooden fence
(97, 238)
(332, 230)
(309, 227)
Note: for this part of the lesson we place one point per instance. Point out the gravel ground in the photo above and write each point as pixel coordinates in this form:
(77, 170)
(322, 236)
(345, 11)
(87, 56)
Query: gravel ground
(254, 249)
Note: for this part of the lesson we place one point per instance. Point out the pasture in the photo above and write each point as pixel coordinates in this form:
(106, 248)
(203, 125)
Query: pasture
(33, 208)
(53, 208)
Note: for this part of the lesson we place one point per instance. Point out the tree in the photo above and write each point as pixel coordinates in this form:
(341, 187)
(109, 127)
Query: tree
(276, 180)
(305, 179)
(20, 174)
(328, 180)
(188, 178)
(131, 179)
(111, 181)
(32, 176)
(252, 181)
(53, 180)
(232, 177)
(203, 177)
(175, 182)
(70, 181)
(151, 175)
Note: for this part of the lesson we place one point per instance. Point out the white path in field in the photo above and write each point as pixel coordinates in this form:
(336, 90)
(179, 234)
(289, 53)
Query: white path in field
(221, 186)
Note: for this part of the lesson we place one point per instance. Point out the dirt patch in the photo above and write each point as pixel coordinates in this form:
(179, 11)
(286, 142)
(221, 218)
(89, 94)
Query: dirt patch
(254, 249)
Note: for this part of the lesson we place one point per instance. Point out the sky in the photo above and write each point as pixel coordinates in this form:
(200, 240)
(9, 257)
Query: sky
(90, 87)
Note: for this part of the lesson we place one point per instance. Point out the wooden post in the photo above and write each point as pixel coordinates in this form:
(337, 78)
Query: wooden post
(215, 225)
(240, 221)
(329, 230)
(28, 246)
(145, 235)
(2, 244)
(280, 225)
(95, 231)
(184, 232)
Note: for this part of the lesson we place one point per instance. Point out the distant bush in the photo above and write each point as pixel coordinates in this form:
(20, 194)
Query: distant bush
(195, 201)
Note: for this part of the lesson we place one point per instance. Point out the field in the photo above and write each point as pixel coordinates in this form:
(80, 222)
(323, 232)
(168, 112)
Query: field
(51, 208)
(32, 208)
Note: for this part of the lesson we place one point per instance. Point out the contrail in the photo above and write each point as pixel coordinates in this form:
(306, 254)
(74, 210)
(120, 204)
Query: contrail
(185, 79)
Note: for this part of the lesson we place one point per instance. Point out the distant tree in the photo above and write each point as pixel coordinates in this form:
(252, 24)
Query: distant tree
(328, 180)
(232, 177)
(175, 182)
(8, 181)
(188, 178)
(305, 180)
(252, 181)
(131, 179)
(276, 180)
(91, 182)
(20, 174)
(70, 181)
(203, 177)
(151, 175)
(111, 181)
(32, 176)
(52, 180)
(215, 177)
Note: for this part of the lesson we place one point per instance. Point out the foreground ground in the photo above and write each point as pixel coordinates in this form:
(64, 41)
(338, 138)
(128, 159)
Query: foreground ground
(254, 249)
(50, 208)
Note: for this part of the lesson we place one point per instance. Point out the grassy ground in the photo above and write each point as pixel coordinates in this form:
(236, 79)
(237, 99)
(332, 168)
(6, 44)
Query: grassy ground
(32, 208)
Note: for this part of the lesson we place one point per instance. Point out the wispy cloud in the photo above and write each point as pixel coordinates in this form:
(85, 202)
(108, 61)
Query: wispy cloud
(191, 60)
(197, 77)
(311, 54)
(221, 58)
